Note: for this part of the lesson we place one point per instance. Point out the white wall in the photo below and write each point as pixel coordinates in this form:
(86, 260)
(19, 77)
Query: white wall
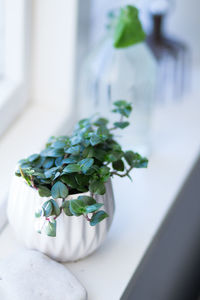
(185, 23)
(53, 52)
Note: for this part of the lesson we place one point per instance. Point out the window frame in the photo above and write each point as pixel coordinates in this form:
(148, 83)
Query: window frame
(31, 82)
(14, 81)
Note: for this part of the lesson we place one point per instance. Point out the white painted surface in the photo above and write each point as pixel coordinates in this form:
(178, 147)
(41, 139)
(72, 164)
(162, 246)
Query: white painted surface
(40, 50)
(53, 52)
(14, 83)
(140, 205)
(2, 29)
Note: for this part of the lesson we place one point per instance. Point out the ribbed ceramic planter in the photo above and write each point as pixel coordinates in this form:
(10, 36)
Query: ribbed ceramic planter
(75, 238)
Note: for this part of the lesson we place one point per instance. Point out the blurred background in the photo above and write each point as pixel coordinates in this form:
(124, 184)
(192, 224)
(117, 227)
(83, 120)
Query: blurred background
(57, 64)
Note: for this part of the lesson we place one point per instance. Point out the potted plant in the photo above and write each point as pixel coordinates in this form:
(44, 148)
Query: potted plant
(65, 190)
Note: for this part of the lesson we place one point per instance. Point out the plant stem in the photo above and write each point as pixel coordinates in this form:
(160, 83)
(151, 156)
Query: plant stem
(122, 175)
(33, 184)
(87, 218)
(114, 128)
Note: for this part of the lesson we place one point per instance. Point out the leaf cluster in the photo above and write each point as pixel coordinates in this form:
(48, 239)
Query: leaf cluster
(79, 163)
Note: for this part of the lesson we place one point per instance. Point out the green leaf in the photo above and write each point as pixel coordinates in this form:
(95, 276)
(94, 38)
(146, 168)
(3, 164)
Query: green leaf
(17, 173)
(86, 142)
(69, 180)
(73, 150)
(39, 212)
(100, 154)
(128, 29)
(135, 159)
(104, 170)
(95, 139)
(98, 217)
(66, 209)
(129, 157)
(58, 161)
(143, 163)
(72, 168)
(83, 123)
(123, 108)
(48, 208)
(33, 157)
(97, 187)
(58, 144)
(118, 165)
(94, 207)
(75, 140)
(120, 103)
(59, 190)
(48, 163)
(38, 163)
(77, 207)
(87, 200)
(25, 166)
(50, 228)
(55, 208)
(81, 179)
(139, 161)
(53, 152)
(86, 164)
(121, 125)
(101, 122)
(88, 152)
(123, 111)
(49, 173)
(44, 181)
(70, 160)
(114, 156)
(22, 161)
(44, 191)
(116, 147)
(57, 175)
(103, 132)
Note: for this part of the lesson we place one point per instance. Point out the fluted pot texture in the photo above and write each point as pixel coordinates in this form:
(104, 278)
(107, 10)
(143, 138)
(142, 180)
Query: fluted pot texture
(75, 238)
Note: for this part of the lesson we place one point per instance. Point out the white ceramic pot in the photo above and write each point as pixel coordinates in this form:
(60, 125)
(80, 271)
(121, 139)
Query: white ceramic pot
(75, 238)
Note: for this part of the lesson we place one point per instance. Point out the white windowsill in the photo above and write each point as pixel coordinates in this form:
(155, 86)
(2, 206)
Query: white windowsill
(7, 88)
(106, 273)
(13, 99)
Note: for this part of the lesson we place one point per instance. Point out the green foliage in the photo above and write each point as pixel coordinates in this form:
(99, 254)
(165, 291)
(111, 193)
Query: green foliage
(66, 209)
(97, 187)
(121, 125)
(81, 163)
(72, 168)
(44, 191)
(126, 27)
(124, 109)
(98, 217)
(86, 164)
(50, 228)
(59, 190)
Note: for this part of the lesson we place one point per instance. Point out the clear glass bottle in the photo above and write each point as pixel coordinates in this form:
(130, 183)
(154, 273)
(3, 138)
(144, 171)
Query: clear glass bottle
(109, 74)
